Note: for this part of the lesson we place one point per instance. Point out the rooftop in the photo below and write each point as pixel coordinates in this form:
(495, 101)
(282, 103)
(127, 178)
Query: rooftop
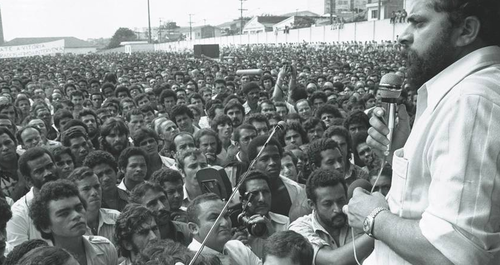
(69, 42)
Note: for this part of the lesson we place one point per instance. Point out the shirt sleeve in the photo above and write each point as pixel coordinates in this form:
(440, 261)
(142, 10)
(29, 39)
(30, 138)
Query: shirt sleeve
(463, 217)
(303, 226)
(17, 228)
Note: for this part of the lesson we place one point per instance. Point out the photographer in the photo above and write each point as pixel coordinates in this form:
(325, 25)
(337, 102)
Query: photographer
(256, 221)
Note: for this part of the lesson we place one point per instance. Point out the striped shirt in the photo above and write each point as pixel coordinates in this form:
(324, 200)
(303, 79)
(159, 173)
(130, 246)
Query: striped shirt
(447, 176)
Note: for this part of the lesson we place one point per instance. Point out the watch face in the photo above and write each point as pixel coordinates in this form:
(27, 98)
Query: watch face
(366, 226)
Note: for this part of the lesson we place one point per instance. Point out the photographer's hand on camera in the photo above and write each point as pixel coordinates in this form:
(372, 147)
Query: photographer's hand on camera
(240, 234)
(262, 219)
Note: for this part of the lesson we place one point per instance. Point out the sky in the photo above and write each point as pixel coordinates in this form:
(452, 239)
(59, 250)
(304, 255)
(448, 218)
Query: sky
(86, 19)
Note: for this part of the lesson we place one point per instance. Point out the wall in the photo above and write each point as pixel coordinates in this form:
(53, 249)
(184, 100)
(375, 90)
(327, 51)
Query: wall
(379, 30)
(80, 50)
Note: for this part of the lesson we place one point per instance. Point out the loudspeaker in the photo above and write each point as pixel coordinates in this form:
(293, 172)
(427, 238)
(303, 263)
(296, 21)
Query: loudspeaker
(209, 50)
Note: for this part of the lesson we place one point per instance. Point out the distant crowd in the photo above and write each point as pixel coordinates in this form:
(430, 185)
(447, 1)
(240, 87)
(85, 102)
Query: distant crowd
(100, 153)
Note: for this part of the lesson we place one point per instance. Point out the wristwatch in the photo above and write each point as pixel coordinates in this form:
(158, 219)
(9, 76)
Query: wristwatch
(369, 222)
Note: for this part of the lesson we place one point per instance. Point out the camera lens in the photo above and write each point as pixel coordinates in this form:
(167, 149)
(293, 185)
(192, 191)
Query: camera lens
(257, 230)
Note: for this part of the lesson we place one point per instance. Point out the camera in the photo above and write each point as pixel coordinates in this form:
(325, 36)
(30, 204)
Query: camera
(258, 229)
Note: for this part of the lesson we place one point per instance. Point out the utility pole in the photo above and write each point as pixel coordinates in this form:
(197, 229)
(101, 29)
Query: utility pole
(149, 23)
(331, 11)
(159, 32)
(190, 28)
(379, 9)
(241, 15)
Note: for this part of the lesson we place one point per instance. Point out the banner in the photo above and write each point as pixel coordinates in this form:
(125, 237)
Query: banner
(46, 48)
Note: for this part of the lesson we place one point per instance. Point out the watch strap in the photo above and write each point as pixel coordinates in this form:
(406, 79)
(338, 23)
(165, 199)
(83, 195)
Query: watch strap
(372, 216)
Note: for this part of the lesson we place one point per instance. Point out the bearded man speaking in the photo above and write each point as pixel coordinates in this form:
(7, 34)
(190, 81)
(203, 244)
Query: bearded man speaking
(443, 207)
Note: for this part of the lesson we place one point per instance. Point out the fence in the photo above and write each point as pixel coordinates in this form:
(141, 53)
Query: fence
(377, 30)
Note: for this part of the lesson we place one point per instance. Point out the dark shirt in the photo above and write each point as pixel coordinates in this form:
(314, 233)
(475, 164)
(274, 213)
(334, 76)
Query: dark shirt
(176, 231)
(121, 201)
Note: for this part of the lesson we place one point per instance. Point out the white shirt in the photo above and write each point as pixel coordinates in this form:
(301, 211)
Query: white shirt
(447, 176)
(234, 253)
(20, 227)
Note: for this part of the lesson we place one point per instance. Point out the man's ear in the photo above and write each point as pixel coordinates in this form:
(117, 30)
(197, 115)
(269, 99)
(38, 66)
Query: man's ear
(468, 31)
(193, 228)
(311, 204)
(47, 230)
(127, 245)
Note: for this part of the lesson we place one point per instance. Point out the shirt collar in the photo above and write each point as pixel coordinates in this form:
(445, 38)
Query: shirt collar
(316, 225)
(442, 83)
(105, 218)
(275, 218)
(91, 249)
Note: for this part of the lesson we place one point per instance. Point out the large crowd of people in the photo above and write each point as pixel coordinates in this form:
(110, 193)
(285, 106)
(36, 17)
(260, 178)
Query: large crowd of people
(101, 155)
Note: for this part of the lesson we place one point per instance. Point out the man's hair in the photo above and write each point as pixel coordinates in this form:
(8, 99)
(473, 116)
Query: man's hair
(207, 131)
(99, 157)
(129, 152)
(193, 209)
(139, 98)
(140, 190)
(340, 131)
(173, 147)
(249, 87)
(166, 94)
(321, 178)
(330, 109)
(166, 174)
(253, 174)
(220, 119)
(45, 255)
(259, 142)
(24, 128)
(244, 126)
(258, 117)
(121, 89)
(289, 153)
(51, 191)
(20, 251)
(4, 130)
(195, 96)
(142, 134)
(61, 114)
(30, 155)
(183, 155)
(358, 138)
(289, 244)
(357, 117)
(317, 146)
(313, 122)
(318, 94)
(75, 123)
(107, 85)
(213, 108)
(234, 104)
(113, 124)
(179, 110)
(293, 126)
(57, 151)
(487, 11)
(80, 173)
(86, 112)
(73, 133)
(131, 219)
(76, 93)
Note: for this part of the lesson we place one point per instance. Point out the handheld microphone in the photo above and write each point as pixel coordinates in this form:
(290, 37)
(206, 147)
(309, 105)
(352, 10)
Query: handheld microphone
(359, 183)
(249, 72)
(390, 89)
(280, 126)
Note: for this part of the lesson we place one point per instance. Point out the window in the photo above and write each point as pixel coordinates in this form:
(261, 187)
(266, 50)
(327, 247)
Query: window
(374, 13)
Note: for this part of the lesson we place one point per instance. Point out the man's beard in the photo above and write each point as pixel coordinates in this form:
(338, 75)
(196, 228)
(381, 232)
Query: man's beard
(422, 68)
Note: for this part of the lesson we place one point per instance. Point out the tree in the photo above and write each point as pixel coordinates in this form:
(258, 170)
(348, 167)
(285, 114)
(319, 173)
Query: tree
(121, 34)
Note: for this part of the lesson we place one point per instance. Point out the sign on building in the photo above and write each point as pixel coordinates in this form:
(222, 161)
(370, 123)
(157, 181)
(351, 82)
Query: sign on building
(46, 48)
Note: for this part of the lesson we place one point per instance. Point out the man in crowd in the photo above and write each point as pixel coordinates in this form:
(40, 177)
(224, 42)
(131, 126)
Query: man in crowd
(76, 139)
(251, 92)
(135, 120)
(134, 229)
(255, 196)
(288, 198)
(235, 111)
(89, 117)
(147, 140)
(133, 164)
(260, 122)
(58, 212)
(105, 168)
(38, 168)
(153, 196)
(190, 162)
(326, 227)
(114, 137)
(288, 247)
(183, 117)
(100, 221)
(173, 185)
(202, 213)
